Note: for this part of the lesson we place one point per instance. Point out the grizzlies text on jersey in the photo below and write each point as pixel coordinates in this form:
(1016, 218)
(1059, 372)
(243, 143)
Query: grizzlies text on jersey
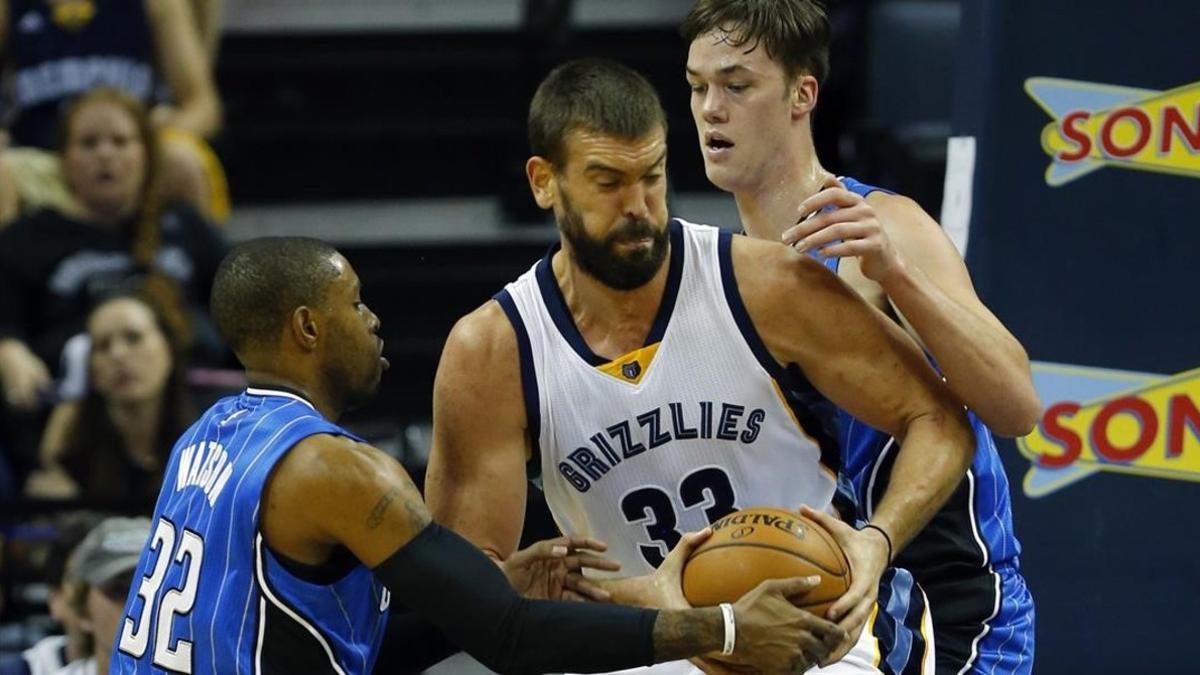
(699, 422)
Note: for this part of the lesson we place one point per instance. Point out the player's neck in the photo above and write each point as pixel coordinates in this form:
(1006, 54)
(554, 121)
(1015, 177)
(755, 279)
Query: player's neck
(269, 379)
(769, 206)
(612, 322)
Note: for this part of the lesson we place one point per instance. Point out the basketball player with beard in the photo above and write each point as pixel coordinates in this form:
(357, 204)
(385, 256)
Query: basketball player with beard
(659, 375)
(279, 536)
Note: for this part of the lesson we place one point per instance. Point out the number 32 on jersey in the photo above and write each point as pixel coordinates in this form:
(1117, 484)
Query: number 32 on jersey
(186, 550)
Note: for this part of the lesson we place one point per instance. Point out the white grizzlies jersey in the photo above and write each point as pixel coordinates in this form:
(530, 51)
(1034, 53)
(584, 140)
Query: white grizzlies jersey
(675, 435)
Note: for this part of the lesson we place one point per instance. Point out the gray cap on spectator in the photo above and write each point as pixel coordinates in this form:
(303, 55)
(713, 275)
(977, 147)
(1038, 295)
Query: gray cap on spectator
(111, 549)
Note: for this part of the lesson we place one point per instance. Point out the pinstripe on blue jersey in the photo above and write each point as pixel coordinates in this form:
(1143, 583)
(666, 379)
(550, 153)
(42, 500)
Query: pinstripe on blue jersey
(248, 614)
(864, 450)
(972, 534)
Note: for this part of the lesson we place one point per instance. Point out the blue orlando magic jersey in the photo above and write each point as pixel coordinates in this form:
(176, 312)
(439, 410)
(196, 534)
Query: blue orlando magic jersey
(973, 530)
(209, 596)
(59, 50)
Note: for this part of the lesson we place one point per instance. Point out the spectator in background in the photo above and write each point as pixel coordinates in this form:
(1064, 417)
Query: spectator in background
(55, 266)
(99, 574)
(114, 443)
(52, 653)
(207, 16)
(59, 49)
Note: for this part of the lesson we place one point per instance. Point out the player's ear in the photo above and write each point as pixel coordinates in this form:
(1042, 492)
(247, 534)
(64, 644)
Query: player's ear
(803, 93)
(540, 173)
(304, 328)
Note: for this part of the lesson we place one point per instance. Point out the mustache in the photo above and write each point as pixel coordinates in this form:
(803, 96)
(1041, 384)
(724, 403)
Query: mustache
(633, 229)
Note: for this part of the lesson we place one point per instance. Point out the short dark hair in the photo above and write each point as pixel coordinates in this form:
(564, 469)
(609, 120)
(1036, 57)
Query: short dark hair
(262, 281)
(592, 94)
(794, 32)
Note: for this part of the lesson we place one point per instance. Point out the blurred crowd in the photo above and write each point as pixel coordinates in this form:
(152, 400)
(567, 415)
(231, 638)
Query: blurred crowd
(113, 200)
(112, 203)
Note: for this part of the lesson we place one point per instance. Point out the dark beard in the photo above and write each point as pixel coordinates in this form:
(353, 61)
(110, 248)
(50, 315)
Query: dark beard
(599, 259)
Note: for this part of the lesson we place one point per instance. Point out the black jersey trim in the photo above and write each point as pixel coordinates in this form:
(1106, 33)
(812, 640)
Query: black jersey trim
(275, 390)
(529, 383)
(286, 642)
(815, 413)
(556, 304)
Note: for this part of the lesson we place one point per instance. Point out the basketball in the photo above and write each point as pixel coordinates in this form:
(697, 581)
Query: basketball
(756, 544)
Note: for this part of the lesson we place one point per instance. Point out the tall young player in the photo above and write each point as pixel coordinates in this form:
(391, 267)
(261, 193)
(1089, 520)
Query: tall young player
(755, 68)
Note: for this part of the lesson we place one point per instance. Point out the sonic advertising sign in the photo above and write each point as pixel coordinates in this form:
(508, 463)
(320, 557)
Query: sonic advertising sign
(1111, 420)
(1099, 125)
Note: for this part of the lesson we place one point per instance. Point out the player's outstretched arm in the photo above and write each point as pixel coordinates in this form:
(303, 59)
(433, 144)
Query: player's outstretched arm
(331, 491)
(865, 364)
(902, 248)
(868, 366)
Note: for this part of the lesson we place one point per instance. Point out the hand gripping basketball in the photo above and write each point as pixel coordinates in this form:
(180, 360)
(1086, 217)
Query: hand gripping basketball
(790, 564)
(776, 636)
(766, 543)
(866, 551)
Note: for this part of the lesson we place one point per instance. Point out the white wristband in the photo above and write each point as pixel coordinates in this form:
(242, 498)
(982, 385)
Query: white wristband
(730, 629)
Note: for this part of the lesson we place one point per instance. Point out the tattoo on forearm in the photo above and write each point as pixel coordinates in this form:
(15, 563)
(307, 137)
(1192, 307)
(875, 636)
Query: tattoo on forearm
(686, 633)
(380, 508)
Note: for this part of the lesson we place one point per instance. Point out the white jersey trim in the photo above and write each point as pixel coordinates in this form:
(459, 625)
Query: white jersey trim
(262, 615)
(256, 391)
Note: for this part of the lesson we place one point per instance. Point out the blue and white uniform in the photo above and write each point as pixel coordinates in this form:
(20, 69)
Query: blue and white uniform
(208, 595)
(967, 559)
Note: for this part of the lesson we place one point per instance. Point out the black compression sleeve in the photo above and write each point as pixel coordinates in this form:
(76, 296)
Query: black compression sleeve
(410, 645)
(461, 591)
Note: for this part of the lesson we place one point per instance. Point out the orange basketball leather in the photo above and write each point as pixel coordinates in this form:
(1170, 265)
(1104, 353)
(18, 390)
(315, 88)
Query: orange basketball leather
(756, 544)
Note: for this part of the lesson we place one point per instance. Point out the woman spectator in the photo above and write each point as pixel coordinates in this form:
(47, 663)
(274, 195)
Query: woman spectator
(113, 444)
(56, 50)
(55, 266)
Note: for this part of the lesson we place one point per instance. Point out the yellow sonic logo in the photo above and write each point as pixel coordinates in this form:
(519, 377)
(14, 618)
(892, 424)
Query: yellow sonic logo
(1110, 420)
(1098, 125)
